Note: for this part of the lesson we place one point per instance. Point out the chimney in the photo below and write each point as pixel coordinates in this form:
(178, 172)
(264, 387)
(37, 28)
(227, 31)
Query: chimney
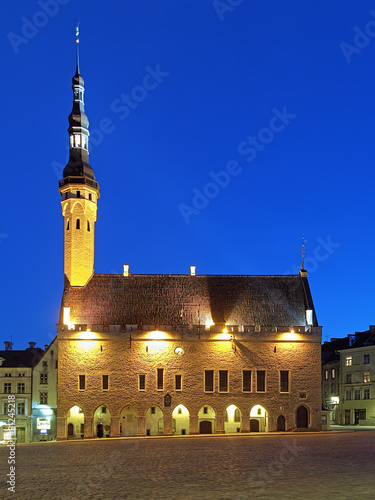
(46, 346)
(192, 270)
(8, 345)
(126, 270)
(32, 345)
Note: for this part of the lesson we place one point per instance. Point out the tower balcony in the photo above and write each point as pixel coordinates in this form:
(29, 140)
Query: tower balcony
(78, 180)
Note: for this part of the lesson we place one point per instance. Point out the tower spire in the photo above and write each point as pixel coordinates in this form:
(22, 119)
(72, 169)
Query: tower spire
(303, 253)
(79, 191)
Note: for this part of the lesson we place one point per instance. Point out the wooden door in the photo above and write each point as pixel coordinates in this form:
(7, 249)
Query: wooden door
(254, 425)
(281, 423)
(70, 430)
(205, 427)
(302, 418)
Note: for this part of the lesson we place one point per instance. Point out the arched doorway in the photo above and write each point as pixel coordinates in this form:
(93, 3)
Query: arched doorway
(128, 422)
(75, 423)
(154, 421)
(102, 422)
(232, 421)
(258, 419)
(70, 430)
(302, 417)
(181, 420)
(206, 420)
(281, 423)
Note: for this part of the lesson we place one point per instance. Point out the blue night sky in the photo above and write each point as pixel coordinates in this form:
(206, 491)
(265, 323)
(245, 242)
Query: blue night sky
(278, 95)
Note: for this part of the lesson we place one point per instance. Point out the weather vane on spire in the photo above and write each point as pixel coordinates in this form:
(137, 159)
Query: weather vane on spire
(303, 253)
(77, 42)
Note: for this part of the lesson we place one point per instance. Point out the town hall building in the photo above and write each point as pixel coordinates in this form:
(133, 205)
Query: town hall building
(175, 354)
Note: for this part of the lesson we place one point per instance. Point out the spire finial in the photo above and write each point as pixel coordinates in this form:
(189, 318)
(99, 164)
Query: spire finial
(77, 42)
(303, 253)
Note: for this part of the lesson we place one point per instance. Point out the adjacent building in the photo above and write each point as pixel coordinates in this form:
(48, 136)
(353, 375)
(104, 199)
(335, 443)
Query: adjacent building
(175, 354)
(357, 380)
(16, 386)
(44, 395)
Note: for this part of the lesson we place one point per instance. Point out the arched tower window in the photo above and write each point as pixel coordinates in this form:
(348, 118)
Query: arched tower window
(88, 225)
(78, 224)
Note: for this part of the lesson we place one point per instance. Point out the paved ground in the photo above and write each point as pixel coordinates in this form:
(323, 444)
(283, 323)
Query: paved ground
(308, 466)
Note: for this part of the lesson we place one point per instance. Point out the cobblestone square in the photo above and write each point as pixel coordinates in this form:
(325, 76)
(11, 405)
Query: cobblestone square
(240, 467)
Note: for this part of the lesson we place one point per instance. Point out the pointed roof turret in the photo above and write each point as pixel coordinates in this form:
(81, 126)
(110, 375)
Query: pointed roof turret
(78, 164)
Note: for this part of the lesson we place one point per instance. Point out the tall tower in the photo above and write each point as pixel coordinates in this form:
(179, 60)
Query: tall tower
(79, 191)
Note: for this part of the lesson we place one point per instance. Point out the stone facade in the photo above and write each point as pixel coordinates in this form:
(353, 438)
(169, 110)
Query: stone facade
(124, 356)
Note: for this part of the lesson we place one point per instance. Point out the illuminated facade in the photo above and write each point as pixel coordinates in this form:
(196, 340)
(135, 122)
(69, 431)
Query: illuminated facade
(44, 395)
(16, 382)
(357, 380)
(176, 354)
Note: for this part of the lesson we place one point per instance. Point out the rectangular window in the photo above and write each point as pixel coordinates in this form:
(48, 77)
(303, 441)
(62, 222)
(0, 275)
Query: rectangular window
(160, 383)
(348, 378)
(178, 382)
(326, 374)
(366, 376)
(223, 380)
(7, 388)
(284, 380)
(333, 388)
(333, 373)
(357, 394)
(366, 359)
(21, 408)
(142, 382)
(44, 398)
(82, 428)
(261, 381)
(326, 389)
(82, 382)
(20, 388)
(246, 380)
(209, 381)
(349, 361)
(348, 395)
(44, 378)
(105, 383)
(366, 393)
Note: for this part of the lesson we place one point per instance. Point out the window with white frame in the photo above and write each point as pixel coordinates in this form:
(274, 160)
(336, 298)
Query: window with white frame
(20, 388)
(348, 360)
(366, 376)
(21, 408)
(366, 359)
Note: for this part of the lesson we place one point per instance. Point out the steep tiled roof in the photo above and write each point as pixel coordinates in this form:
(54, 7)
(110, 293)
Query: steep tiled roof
(112, 299)
(26, 358)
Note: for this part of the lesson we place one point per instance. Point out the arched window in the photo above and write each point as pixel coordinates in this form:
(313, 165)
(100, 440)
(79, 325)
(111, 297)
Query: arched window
(237, 415)
(226, 416)
(67, 226)
(78, 224)
(88, 225)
